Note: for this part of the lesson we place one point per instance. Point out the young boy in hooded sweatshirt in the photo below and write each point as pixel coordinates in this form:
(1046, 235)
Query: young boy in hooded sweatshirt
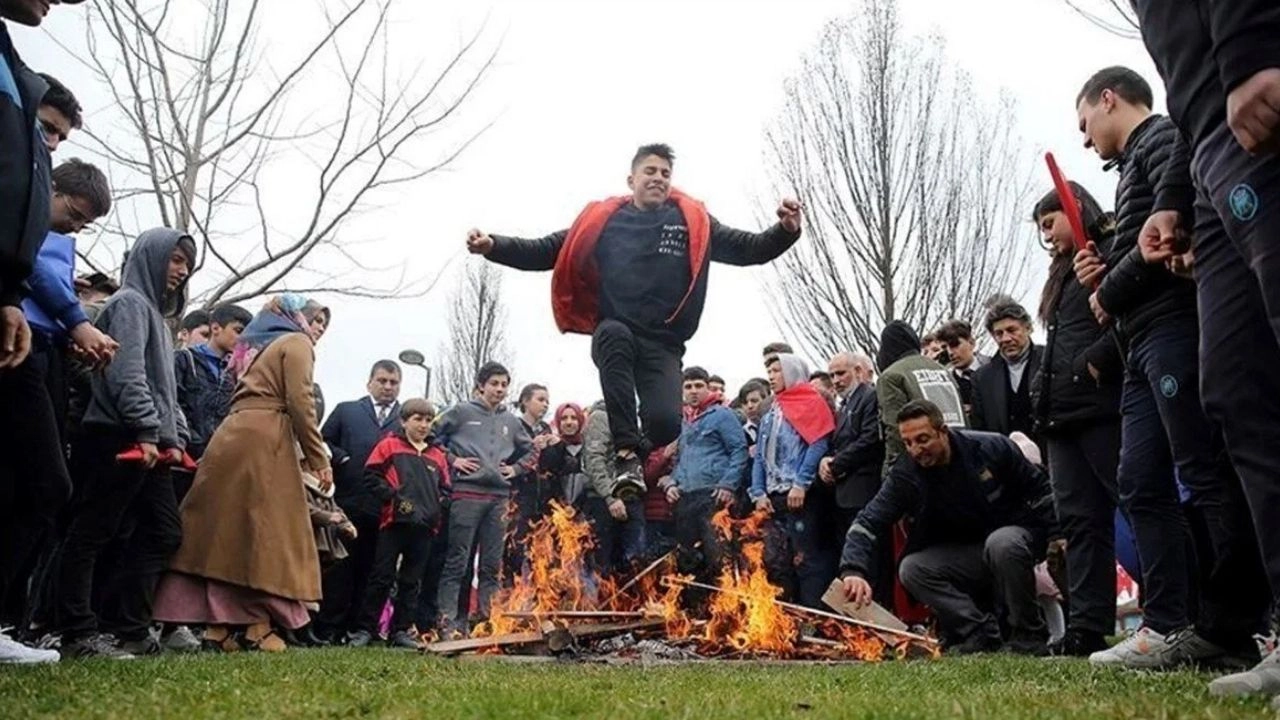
(794, 436)
(133, 410)
(485, 444)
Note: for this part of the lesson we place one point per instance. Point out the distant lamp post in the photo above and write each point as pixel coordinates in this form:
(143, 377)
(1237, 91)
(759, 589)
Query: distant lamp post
(417, 359)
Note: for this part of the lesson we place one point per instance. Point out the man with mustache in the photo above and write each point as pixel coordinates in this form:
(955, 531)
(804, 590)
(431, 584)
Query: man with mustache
(632, 272)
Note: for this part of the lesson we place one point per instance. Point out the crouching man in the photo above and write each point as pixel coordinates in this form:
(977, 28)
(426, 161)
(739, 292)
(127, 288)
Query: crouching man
(980, 519)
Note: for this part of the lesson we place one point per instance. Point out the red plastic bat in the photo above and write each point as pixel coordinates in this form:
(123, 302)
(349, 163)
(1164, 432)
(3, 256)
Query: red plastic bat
(1068, 199)
(134, 455)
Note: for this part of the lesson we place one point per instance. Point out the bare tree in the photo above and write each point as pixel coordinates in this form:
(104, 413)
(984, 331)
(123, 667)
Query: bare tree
(913, 190)
(213, 138)
(1115, 16)
(477, 330)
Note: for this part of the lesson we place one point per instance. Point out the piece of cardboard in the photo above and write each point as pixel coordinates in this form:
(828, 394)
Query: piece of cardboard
(873, 613)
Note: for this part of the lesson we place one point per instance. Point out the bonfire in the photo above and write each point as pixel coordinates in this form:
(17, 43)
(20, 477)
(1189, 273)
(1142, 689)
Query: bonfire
(559, 604)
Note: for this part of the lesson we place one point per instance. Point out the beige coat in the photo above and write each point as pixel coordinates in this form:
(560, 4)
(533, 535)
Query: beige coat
(246, 520)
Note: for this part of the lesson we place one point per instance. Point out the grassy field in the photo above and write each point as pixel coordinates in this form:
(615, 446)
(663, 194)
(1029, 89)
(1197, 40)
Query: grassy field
(386, 684)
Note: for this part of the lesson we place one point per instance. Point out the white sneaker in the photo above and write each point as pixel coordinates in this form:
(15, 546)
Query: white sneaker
(1146, 649)
(13, 652)
(181, 640)
(1263, 679)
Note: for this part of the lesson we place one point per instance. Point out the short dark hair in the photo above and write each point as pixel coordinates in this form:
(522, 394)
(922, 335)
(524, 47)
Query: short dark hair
(224, 315)
(954, 331)
(695, 373)
(921, 409)
(1003, 307)
(491, 370)
(195, 319)
(751, 386)
(417, 406)
(526, 393)
(390, 366)
(930, 337)
(662, 150)
(776, 348)
(822, 375)
(715, 379)
(61, 99)
(78, 178)
(1120, 80)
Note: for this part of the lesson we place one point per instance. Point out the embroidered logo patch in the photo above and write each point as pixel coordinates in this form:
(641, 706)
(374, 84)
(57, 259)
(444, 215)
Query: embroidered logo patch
(1168, 386)
(1244, 202)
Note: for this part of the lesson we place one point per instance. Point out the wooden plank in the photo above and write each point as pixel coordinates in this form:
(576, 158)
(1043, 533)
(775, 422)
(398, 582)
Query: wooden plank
(452, 647)
(873, 613)
(577, 615)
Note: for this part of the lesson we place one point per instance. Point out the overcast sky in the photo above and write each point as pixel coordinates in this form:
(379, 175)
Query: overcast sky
(580, 84)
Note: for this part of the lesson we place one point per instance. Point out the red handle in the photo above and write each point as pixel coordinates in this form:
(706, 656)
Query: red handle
(1068, 200)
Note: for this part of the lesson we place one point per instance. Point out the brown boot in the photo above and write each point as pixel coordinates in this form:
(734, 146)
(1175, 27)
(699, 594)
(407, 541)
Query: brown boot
(261, 637)
(219, 638)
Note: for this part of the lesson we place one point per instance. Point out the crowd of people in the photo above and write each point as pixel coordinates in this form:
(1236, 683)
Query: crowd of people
(201, 495)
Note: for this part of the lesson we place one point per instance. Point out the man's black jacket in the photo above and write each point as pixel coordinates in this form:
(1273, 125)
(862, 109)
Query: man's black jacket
(987, 485)
(24, 172)
(857, 448)
(994, 408)
(1135, 292)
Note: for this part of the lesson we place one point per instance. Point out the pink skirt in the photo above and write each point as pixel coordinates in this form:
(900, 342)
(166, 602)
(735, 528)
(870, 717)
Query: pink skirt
(187, 599)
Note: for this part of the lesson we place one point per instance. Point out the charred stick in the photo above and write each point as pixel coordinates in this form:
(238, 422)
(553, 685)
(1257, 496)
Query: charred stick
(631, 583)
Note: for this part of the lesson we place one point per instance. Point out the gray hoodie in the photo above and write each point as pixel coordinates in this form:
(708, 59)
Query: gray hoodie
(494, 437)
(137, 392)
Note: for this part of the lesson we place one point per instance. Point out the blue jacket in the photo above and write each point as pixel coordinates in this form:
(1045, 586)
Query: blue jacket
(53, 308)
(794, 464)
(713, 452)
(24, 172)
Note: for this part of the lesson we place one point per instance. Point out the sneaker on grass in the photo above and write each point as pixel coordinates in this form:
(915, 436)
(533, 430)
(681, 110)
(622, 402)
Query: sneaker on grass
(1146, 649)
(1262, 679)
(181, 640)
(97, 645)
(13, 652)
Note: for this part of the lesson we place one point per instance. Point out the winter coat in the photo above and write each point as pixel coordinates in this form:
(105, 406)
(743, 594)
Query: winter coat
(199, 374)
(857, 448)
(493, 436)
(246, 520)
(25, 180)
(53, 309)
(598, 454)
(352, 431)
(713, 452)
(409, 482)
(999, 408)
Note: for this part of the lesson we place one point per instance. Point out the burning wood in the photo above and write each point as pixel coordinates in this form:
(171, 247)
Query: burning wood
(555, 606)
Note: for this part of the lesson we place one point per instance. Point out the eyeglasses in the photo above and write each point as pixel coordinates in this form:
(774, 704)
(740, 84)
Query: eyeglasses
(85, 222)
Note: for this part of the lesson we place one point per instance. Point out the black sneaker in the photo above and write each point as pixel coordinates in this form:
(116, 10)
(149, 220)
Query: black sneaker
(1026, 645)
(98, 645)
(630, 477)
(976, 644)
(1078, 643)
(1188, 647)
(142, 647)
(402, 639)
(359, 639)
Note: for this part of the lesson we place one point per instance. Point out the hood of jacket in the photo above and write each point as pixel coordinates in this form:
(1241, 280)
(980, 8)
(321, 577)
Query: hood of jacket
(146, 269)
(897, 341)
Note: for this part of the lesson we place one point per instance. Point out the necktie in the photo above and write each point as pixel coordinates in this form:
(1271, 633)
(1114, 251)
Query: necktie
(383, 411)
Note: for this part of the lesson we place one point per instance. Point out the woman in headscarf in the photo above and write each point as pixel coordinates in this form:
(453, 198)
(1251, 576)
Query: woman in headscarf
(794, 435)
(561, 463)
(248, 557)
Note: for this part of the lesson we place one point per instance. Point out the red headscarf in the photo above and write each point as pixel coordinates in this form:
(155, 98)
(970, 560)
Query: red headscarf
(802, 405)
(575, 439)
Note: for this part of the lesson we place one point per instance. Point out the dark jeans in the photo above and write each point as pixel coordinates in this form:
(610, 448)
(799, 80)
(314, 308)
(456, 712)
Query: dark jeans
(1082, 469)
(792, 554)
(113, 493)
(1238, 280)
(428, 610)
(409, 546)
(473, 524)
(700, 551)
(631, 365)
(344, 585)
(34, 482)
(962, 582)
(619, 545)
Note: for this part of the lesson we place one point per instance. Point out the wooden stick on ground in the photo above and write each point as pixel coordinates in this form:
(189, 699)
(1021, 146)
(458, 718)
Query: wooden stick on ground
(809, 611)
(451, 647)
(630, 583)
(576, 614)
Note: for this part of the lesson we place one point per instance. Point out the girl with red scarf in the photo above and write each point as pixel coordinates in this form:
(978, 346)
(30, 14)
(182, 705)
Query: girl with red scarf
(561, 463)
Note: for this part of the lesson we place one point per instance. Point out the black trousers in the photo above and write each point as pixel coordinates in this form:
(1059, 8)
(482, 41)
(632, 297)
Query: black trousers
(1082, 468)
(632, 365)
(112, 496)
(407, 546)
(428, 610)
(344, 584)
(1237, 252)
(701, 553)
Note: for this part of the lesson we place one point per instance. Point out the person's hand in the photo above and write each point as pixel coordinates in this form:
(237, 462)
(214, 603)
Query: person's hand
(466, 465)
(553, 440)
(349, 529)
(764, 505)
(857, 591)
(723, 497)
(618, 510)
(173, 456)
(325, 476)
(1057, 547)
(673, 495)
(1089, 266)
(795, 499)
(1162, 237)
(1093, 372)
(789, 215)
(15, 337)
(506, 471)
(824, 471)
(150, 454)
(669, 451)
(1099, 312)
(1253, 112)
(478, 243)
(97, 347)
(1182, 265)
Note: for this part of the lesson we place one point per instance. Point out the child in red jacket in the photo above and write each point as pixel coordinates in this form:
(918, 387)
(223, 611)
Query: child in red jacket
(405, 474)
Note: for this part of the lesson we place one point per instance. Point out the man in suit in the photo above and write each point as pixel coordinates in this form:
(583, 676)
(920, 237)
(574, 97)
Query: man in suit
(351, 431)
(1002, 388)
(852, 468)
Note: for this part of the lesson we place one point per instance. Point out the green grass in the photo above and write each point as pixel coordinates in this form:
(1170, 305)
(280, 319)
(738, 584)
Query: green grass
(379, 683)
